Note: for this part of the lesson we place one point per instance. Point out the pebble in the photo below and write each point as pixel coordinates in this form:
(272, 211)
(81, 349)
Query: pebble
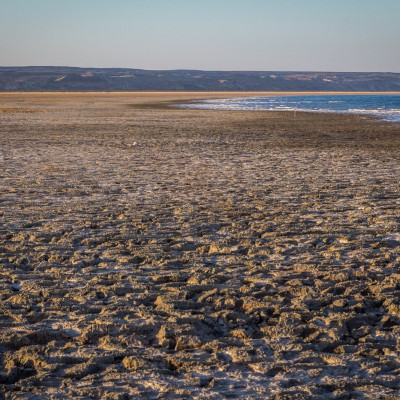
(16, 286)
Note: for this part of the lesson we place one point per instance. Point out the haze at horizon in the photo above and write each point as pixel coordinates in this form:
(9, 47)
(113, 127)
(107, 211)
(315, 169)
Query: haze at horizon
(312, 35)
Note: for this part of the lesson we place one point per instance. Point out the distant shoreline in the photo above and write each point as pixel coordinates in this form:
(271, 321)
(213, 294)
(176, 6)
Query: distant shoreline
(383, 106)
(166, 100)
(230, 93)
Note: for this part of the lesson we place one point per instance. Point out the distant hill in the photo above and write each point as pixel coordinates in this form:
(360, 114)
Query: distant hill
(121, 79)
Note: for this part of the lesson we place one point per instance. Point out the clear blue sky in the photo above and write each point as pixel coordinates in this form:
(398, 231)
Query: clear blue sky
(319, 35)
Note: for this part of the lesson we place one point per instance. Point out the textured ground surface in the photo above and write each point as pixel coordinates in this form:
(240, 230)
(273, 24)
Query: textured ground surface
(148, 252)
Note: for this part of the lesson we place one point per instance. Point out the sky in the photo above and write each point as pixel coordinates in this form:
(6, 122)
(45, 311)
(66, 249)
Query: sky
(268, 35)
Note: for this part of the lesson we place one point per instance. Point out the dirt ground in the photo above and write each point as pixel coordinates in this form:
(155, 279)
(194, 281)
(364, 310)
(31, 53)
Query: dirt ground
(149, 251)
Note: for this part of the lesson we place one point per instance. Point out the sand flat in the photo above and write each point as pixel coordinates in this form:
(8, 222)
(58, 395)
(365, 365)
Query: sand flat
(154, 252)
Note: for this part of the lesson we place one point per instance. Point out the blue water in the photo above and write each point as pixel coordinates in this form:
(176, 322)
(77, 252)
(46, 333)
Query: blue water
(386, 107)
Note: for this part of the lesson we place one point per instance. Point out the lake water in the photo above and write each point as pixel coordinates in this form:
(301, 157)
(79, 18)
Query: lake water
(386, 107)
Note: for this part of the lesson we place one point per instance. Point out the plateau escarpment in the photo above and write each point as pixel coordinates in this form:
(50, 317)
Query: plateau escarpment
(122, 79)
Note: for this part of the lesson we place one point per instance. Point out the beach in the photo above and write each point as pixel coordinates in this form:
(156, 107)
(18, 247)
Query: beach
(150, 251)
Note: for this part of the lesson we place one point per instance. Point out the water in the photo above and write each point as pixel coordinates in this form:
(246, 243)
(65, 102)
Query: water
(386, 107)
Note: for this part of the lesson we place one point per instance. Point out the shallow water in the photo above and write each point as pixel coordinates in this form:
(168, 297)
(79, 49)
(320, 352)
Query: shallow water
(386, 107)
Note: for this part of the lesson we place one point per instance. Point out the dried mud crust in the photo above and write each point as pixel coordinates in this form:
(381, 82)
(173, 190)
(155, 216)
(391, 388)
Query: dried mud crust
(163, 253)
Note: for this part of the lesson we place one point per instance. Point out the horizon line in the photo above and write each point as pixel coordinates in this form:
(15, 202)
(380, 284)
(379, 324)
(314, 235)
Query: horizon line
(203, 70)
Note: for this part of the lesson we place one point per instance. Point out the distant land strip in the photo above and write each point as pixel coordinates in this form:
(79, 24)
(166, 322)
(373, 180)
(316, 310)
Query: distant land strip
(54, 79)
